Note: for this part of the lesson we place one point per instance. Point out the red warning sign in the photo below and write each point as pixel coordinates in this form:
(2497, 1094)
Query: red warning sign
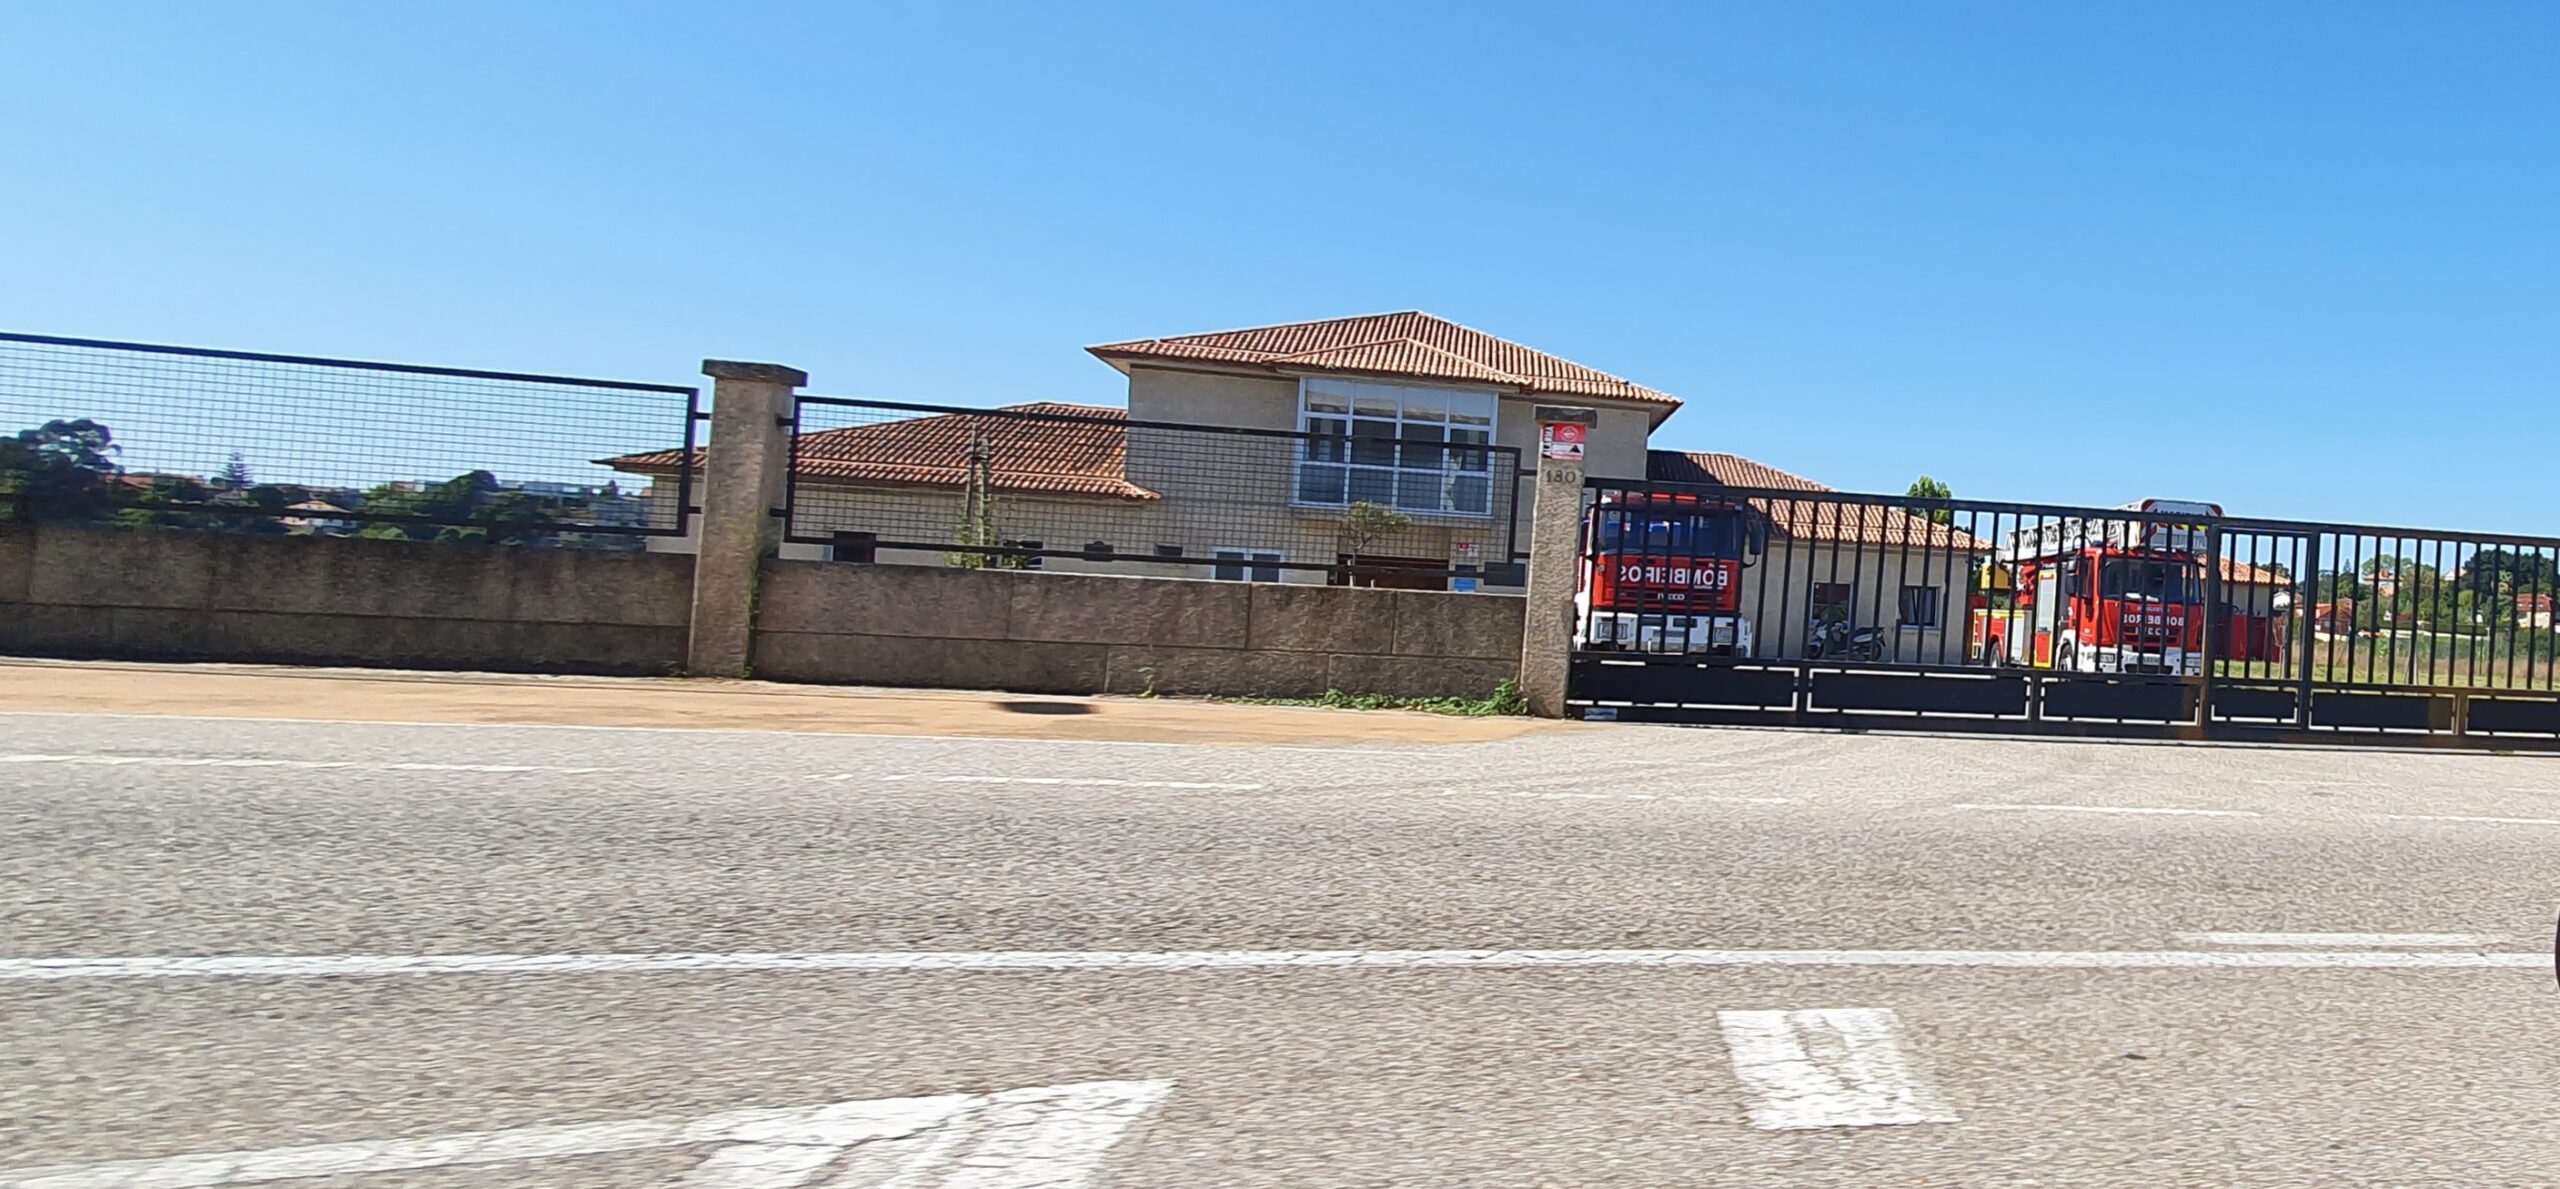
(1561, 440)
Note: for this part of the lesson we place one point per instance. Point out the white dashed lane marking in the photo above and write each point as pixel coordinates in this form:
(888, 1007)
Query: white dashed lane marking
(1041, 1136)
(1842, 1067)
(1081, 782)
(2457, 817)
(2347, 940)
(115, 761)
(2142, 809)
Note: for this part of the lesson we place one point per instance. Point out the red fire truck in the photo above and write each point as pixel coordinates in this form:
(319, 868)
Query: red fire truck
(1663, 573)
(2104, 595)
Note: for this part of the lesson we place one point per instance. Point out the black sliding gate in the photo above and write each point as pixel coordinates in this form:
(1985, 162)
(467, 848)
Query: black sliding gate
(1781, 607)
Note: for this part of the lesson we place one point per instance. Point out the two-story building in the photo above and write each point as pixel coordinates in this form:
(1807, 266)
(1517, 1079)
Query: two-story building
(1248, 455)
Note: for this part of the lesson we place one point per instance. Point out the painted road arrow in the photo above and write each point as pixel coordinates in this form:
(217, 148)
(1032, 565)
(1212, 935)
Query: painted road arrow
(1042, 1137)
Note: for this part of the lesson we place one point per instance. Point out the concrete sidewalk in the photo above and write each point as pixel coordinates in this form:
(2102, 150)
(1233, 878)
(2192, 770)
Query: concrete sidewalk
(377, 695)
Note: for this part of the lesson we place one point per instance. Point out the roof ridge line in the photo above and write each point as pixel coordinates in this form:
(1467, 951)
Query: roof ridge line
(1202, 334)
(1509, 377)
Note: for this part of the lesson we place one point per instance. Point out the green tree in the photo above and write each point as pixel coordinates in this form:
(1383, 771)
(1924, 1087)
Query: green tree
(63, 468)
(2495, 579)
(234, 475)
(978, 531)
(1365, 524)
(1926, 488)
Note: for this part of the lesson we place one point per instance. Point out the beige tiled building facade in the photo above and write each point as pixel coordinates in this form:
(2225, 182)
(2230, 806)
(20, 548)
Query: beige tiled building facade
(1259, 505)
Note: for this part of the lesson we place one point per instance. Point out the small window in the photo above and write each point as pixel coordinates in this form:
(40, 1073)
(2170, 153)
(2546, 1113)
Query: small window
(1920, 606)
(1031, 561)
(1832, 602)
(862, 548)
(1246, 565)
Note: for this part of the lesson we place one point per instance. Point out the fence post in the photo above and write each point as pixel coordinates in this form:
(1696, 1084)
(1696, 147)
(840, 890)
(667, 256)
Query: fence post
(1555, 565)
(743, 470)
(2306, 610)
(2213, 645)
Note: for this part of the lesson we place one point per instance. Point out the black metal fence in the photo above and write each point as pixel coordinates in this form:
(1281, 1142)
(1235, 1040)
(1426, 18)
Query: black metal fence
(1088, 488)
(1725, 604)
(146, 436)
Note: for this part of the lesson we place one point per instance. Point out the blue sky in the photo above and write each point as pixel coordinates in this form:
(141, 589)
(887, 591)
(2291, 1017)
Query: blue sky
(2296, 259)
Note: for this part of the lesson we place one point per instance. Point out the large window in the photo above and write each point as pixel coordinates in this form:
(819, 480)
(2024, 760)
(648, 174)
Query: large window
(1653, 532)
(1410, 448)
(2154, 580)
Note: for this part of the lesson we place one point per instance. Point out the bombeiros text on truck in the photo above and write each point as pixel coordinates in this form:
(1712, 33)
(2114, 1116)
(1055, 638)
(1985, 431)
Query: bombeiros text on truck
(1664, 573)
(2114, 595)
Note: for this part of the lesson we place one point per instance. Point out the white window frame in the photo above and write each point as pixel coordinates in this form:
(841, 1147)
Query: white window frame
(1937, 600)
(1412, 419)
(1249, 564)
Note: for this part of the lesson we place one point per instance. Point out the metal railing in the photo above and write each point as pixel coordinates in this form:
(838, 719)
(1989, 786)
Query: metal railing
(149, 436)
(2043, 615)
(1087, 488)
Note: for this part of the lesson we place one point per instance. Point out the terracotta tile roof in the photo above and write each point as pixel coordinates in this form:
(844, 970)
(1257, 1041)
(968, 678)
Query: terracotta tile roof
(1811, 520)
(1411, 345)
(1062, 450)
(2242, 573)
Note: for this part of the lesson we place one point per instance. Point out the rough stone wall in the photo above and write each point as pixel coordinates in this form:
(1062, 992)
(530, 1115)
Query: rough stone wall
(108, 594)
(1072, 633)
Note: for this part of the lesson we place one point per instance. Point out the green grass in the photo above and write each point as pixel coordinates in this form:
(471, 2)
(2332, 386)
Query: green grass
(1504, 700)
(2446, 661)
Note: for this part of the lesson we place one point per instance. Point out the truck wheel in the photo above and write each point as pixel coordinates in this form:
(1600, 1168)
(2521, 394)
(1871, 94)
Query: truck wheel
(2066, 657)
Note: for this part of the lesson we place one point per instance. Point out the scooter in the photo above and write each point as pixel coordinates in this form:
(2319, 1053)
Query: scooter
(1836, 640)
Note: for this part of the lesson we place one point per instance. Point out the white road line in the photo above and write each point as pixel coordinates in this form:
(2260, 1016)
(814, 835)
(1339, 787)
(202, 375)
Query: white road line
(1042, 1137)
(2456, 817)
(2114, 809)
(1672, 797)
(2347, 940)
(115, 761)
(1097, 782)
(1841, 1067)
(1140, 961)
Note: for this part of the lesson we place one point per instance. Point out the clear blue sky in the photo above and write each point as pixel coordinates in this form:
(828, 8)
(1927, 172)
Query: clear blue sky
(2297, 259)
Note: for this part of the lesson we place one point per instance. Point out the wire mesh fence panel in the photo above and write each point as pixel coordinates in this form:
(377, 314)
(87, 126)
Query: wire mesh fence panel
(144, 436)
(1086, 488)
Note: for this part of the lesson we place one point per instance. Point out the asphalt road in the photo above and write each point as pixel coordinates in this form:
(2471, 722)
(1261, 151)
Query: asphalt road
(1516, 963)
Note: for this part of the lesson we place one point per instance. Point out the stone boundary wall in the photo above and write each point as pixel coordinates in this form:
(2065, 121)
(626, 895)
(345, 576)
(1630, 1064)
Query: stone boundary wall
(1082, 634)
(93, 593)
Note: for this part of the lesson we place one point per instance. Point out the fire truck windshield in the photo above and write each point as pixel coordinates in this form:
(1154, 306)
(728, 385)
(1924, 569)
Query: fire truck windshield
(2147, 578)
(1707, 534)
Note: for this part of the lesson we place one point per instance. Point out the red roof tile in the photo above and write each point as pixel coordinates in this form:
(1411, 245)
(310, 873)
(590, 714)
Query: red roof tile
(1809, 519)
(1410, 345)
(1060, 449)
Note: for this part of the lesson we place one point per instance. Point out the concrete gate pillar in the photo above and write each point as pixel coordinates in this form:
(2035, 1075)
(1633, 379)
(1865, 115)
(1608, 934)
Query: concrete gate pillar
(743, 469)
(1555, 566)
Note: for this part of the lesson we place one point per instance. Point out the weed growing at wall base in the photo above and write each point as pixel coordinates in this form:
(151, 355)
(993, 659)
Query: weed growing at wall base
(1505, 699)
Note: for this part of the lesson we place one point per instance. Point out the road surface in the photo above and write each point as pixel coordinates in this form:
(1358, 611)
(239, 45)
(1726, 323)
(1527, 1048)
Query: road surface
(1631, 956)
